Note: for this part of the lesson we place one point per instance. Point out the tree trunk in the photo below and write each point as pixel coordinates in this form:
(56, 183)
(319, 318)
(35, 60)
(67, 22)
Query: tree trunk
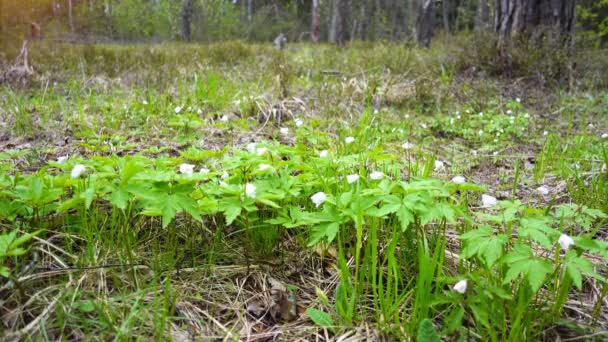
(483, 16)
(316, 22)
(445, 13)
(70, 18)
(186, 20)
(424, 23)
(249, 9)
(338, 31)
(552, 21)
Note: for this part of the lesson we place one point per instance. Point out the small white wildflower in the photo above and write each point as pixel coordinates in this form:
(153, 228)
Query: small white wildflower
(509, 112)
(460, 287)
(545, 133)
(186, 169)
(260, 151)
(480, 114)
(376, 175)
(350, 179)
(451, 121)
(495, 140)
(590, 126)
(62, 159)
(178, 109)
(349, 140)
(480, 133)
(495, 153)
(78, 170)
(565, 241)
(459, 180)
(468, 111)
(144, 102)
(284, 130)
(474, 152)
(438, 165)
(323, 154)
(511, 118)
(250, 147)
(375, 111)
(318, 198)
(205, 170)
(423, 125)
(527, 115)
(518, 100)
(488, 201)
(225, 175)
(543, 190)
(605, 136)
(264, 167)
(199, 111)
(407, 116)
(406, 145)
(298, 122)
(458, 117)
(250, 190)
(224, 118)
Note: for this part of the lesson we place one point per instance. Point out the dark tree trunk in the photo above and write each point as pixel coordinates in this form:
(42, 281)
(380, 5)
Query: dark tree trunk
(338, 31)
(551, 21)
(186, 20)
(445, 11)
(316, 22)
(483, 16)
(424, 23)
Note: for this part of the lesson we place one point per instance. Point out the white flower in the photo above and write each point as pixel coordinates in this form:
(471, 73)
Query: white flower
(511, 118)
(62, 159)
(250, 190)
(545, 133)
(565, 241)
(407, 116)
(264, 167)
(451, 121)
(488, 201)
(527, 115)
(250, 147)
(205, 170)
(375, 111)
(298, 122)
(349, 140)
(495, 153)
(323, 154)
(284, 130)
(543, 190)
(186, 169)
(350, 179)
(318, 198)
(376, 175)
(509, 112)
(406, 145)
(458, 117)
(460, 287)
(78, 170)
(458, 180)
(260, 151)
(480, 114)
(438, 165)
(605, 136)
(224, 118)
(423, 125)
(199, 111)
(518, 100)
(144, 102)
(480, 132)
(224, 175)
(590, 126)
(178, 109)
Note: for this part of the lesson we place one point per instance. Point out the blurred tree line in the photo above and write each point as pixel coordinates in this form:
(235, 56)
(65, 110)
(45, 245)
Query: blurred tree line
(336, 21)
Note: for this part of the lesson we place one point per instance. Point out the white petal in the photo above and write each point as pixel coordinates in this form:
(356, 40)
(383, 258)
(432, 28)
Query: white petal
(264, 167)
(78, 170)
(543, 190)
(298, 122)
(260, 151)
(250, 190)
(488, 201)
(605, 136)
(323, 154)
(460, 287)
(376, 175)
(349, 140)
(62, 159)
(186, 169)
(565, 241)
(459, 180)
(284, 130)
(406, 145)
(178, 109)
(352, 178)
(224, 118)
(438, 165)
(318, 198)
(205, 170)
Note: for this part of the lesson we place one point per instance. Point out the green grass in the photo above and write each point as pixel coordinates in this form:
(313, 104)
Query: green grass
(139, 246)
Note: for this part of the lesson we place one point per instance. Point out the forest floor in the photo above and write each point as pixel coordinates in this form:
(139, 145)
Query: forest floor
(233, 191)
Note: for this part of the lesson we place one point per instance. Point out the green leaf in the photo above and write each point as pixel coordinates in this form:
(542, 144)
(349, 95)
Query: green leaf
(454, 319)
(427, 332)
(5, 271)
(406, 217)
(522, 262)
(324, 231)
(320, 318)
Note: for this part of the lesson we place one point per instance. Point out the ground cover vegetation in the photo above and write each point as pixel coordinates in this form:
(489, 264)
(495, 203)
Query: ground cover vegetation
(375, 191)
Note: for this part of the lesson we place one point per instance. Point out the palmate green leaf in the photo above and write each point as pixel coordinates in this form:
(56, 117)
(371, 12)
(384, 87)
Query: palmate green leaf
(427, 332)
(119, 198)
(437, 211)
(231, 208)
(577, 266)
(320, 318)
(522, 262)
(406, 217)
(326, 231)
(484, 244)
(538, 230)
(5, 271)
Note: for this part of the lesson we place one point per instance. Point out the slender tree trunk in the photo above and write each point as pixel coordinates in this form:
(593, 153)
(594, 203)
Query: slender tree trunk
(70, 18)
(249, 9)
(316, 22)
(424, 23)
(186, 20)
(445, 14)
(338, 31)
(483, 16)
